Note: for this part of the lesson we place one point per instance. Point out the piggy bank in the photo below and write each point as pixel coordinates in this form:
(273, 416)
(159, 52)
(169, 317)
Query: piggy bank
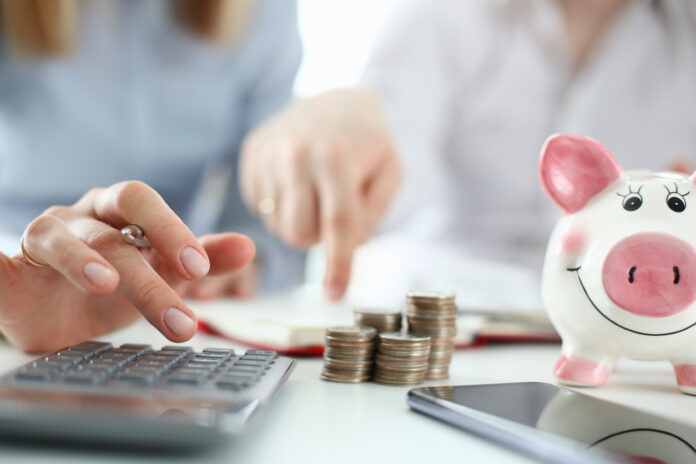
(620, 269)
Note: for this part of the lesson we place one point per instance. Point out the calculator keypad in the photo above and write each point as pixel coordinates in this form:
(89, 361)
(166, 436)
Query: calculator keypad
(97, 364)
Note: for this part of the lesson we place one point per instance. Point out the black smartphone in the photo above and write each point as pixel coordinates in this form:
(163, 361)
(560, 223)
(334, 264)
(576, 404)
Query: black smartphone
(558, 425)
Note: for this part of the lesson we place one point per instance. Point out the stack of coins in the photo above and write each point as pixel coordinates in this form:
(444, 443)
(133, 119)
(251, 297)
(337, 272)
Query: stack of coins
(349, 354)
(402, 359)
(384, 320)
(434, 314)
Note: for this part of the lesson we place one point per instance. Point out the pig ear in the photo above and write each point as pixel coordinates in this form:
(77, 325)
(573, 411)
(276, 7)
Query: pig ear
(573, 169)
(693, 177)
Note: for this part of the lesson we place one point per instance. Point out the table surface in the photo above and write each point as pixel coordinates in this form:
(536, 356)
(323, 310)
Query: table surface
(312, 421)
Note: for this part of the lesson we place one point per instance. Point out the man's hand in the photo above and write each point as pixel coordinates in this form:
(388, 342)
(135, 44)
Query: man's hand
(95, 282)
(323, 169)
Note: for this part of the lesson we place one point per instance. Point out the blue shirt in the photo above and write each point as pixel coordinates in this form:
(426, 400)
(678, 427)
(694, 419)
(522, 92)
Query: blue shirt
(142, 98)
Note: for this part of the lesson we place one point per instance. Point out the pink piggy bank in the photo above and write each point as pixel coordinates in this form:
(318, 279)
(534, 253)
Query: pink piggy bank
(620, 270)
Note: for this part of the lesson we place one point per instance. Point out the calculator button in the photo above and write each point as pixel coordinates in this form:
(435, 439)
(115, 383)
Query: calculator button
(96, 347)
(270, 354)
(154, 370)
(34, 374)
(120, 356)
(218, 351)
(132, 346)
(140, 378)
(177, 348)
(186, 379)
(71, 359)
(87, 376)
(252, 357)
(129, 351)
(107, 367)
(75, 354)
(232, 384)
(260, 365)
(242, 368)
(55, 365)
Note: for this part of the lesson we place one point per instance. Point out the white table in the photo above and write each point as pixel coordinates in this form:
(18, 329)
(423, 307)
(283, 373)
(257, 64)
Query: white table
(312, 421)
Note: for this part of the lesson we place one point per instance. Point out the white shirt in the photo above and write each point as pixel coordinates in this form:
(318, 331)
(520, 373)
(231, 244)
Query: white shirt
(472, 88)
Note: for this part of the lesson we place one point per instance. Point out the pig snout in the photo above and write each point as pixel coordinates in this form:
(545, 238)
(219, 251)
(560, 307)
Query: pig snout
(651, 274)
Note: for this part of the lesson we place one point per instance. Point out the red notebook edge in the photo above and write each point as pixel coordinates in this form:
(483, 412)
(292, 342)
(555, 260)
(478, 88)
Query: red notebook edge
(318, 350)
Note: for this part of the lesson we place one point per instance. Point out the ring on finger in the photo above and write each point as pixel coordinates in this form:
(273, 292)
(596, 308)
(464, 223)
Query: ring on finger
(28, 258)
(133, 235)
(267, 206)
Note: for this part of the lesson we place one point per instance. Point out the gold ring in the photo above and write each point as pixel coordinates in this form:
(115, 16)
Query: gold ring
(267, 206)
(27, 258)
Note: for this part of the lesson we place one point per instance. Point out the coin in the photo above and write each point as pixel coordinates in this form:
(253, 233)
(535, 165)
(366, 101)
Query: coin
(382, 319)
(402, 358)
(349, 354)
(434, 314)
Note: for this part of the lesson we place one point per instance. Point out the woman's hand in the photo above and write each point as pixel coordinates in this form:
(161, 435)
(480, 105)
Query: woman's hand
(323, 169)
(95, 283)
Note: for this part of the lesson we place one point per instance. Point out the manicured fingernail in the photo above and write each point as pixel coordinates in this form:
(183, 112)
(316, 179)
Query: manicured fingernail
(178, 321)
(194, 262)
(334, 291)
(97, 273)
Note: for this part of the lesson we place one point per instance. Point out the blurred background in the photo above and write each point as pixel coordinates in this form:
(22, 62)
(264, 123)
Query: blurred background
(336, 36)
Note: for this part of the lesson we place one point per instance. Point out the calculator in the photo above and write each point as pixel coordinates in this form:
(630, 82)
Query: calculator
(136, 395)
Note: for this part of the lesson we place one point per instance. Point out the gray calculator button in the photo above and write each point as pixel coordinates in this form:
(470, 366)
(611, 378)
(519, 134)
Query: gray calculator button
(253, 357)
(251, 362)
(218, 351)
(116, 362)
(55, 365)
(154, 370)
(133, 346)
(185, 379)
(34, 374)
(242, 368)
(196, 365)
(161, 358)
(177, 349)
(213, 361)
(229, 384)
(95, 364)
(151, 364)
(75, 354)
(186, 371)
(119, 356)
(209, 357)
(140, 378)
(270, 354)
(97, 347)
(71, 359)
(85, 376)
(128, 351)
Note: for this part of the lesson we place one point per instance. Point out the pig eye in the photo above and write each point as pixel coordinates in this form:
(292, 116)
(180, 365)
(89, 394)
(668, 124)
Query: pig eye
(676, 200)
(632, 201)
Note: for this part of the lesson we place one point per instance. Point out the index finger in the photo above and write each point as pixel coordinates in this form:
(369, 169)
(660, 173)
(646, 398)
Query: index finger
(339, 208)
(134, 202)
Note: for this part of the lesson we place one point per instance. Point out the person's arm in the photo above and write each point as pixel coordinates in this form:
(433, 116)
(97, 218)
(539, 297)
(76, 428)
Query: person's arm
(413, 74)
(327, 165)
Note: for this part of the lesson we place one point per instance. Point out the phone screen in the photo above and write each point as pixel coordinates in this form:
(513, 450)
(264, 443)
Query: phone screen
(552, 411)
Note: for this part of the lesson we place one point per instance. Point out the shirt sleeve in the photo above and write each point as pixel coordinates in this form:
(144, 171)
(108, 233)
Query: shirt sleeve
(411, 72)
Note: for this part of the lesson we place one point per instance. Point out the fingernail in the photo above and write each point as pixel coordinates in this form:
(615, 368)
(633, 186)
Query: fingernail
(178, 322)
(334, 291)
(194, 262)
(97, 273)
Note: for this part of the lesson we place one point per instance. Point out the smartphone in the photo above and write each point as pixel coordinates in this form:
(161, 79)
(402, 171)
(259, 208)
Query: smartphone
(558, 425)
